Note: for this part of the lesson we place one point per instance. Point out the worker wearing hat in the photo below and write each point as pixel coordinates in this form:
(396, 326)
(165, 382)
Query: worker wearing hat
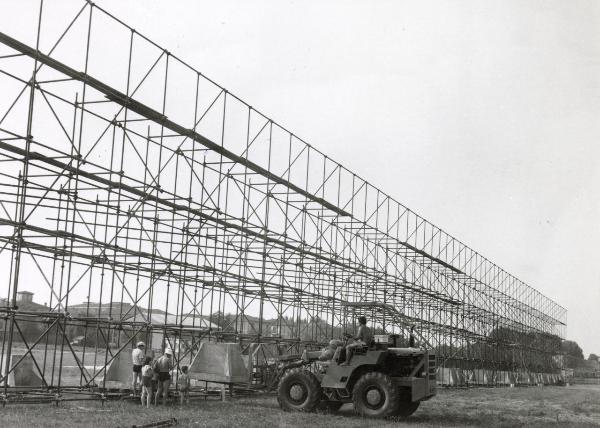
(138, 356)
(162, 367)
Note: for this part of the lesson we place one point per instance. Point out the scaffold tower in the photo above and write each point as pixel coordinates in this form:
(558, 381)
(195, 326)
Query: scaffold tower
(140, 200)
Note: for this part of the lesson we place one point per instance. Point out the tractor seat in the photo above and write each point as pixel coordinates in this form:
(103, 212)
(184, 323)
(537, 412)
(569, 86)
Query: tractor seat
(363, 349)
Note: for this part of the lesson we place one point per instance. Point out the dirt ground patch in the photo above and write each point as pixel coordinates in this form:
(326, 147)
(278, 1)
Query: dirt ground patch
(576, 406)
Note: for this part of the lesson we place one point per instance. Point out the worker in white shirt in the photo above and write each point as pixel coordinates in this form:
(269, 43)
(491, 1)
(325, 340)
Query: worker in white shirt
(138, 357)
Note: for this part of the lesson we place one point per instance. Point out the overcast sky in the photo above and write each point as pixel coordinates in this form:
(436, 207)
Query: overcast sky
(480, 116)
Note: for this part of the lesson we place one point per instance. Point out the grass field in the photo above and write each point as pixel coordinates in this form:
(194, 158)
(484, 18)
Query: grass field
(576, 406)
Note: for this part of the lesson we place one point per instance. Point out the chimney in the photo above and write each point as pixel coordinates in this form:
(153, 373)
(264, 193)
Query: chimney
(24, 297)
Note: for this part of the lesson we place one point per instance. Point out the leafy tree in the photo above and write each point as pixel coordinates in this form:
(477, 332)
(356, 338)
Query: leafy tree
(573, 354)
(572, 349)
(593, 357)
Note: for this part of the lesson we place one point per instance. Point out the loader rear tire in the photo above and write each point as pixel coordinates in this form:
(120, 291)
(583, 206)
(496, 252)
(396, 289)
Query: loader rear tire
(406, 406)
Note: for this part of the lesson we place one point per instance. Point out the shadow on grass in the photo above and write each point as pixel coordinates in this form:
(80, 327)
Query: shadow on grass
(450, 413)
(487, 408)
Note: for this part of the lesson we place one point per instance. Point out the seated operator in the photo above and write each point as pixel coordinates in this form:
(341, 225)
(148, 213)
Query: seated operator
(363, 338)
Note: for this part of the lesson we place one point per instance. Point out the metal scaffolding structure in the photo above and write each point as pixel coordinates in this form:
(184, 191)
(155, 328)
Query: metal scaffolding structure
(140, 198)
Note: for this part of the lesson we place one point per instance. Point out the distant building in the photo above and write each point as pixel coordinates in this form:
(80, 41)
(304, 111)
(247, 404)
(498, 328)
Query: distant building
(24, 296)
(126, 312)
(276, 329)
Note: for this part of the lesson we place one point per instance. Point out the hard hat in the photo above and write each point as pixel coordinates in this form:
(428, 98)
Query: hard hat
(168, 352)
(140, 344)
(335, 342)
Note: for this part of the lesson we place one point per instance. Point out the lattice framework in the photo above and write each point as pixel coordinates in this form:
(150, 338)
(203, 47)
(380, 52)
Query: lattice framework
(130, 177)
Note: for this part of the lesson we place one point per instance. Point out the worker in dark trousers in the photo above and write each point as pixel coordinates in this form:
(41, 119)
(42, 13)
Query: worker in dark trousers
(162, 368)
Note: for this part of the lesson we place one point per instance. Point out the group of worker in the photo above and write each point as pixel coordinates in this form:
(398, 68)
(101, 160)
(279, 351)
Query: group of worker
(155, 375)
